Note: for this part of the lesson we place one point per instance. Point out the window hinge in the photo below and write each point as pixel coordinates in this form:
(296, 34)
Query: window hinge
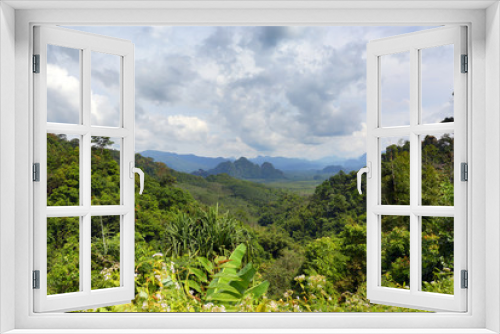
(36, 279)
(36, 63)
(36, 172)
(464, 171)
(465, 279)
(465, 64)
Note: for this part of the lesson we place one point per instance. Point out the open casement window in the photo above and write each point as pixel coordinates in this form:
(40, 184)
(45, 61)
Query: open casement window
(84, 109)
(416, 198)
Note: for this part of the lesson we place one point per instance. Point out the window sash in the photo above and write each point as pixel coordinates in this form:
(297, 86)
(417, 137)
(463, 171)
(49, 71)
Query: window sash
(414, 298)
(86, 297)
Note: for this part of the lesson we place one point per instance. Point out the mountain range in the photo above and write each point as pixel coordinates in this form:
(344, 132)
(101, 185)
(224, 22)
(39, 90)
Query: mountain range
(189, 163)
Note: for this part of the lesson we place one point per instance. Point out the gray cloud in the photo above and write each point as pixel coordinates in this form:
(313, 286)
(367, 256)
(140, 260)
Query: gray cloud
(267, 38)
(59, 54)
(108, 77)
(60, 108)
(164, 80)
(290, 103)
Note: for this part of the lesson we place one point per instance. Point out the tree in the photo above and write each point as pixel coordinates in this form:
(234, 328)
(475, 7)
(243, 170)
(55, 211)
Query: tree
(102, 142)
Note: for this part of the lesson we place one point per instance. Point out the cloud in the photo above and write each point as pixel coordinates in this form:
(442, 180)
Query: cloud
(163, 80)
(270, 37)
(246, 91)
(103, 111)
(108, 77)
(63, 55)
(63, 91)
(289, 103)
(157, 131)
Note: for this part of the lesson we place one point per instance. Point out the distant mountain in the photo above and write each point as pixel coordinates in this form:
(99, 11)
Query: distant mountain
(288, 164)
(244, 169)
(189, 163)
(355, 164)
(186, 163)
(334, 169)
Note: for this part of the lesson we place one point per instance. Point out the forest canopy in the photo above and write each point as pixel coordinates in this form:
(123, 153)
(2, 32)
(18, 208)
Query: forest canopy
(217, 243)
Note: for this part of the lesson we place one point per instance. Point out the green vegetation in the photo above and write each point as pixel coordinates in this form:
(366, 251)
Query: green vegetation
(222, 244)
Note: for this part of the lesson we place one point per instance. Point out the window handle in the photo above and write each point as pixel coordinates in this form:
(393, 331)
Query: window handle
(368, 171)
(134, 170)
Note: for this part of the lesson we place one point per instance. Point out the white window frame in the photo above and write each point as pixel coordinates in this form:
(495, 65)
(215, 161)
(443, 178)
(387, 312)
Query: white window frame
(484, 103)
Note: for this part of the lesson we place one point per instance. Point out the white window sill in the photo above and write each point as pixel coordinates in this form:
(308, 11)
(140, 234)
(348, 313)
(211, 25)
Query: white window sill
(251, 331)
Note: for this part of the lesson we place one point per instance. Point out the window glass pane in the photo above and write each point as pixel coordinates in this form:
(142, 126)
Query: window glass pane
(63, 170)
(395, 170)
(105, 86)
(437, 254)
(395, 89)
(63, 255)
(105, 250)
(106, 171)
(396, 252)
(437, 169)
(437, 84)
(63, 85)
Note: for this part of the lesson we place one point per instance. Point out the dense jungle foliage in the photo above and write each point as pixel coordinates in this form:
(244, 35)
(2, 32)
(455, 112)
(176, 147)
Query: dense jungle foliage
(219, 244)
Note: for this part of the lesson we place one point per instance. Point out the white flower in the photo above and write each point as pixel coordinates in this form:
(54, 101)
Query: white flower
(207, 306)
(157, 254)
(300, 278)
(219, 309)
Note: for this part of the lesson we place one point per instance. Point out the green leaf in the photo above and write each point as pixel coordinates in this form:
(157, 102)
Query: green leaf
(198, 273)
(206, 264)
(194, 285)
(229, 265)
(259, 290)
(247, 273)
(226, 287)
(227, 276)
(238, 254)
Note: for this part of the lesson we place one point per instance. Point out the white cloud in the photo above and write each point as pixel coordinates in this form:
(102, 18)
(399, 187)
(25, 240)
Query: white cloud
(63, 91)
(103, 112)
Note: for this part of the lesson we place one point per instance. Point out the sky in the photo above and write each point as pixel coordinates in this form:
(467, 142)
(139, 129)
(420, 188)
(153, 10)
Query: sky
(293, 91)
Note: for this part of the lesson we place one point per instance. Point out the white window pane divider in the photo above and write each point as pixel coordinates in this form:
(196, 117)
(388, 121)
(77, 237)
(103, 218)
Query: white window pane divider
(407, 210)
(423, 129)
(75, 129)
